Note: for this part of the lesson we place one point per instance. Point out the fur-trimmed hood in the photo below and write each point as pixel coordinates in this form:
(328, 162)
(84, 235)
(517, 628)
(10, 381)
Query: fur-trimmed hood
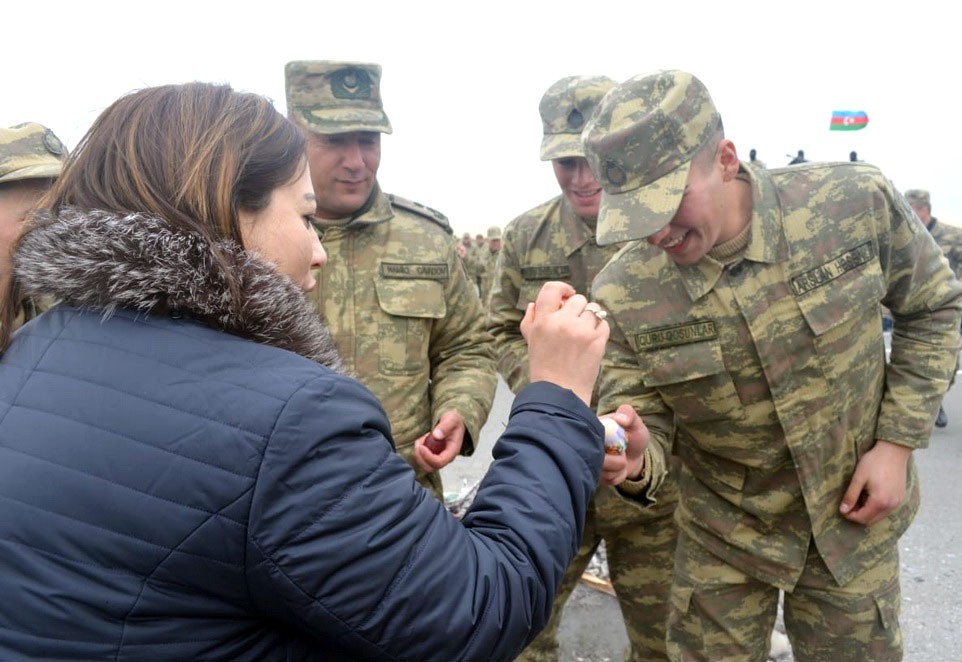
(102, 261)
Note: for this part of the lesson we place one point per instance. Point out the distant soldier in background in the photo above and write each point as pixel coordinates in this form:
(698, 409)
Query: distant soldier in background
(490, 263)
(949, 239)
(556, 241)
(30, 160)
(473, 260)
(463, 250)
(754, 160)
(402, 312)
(798, 158)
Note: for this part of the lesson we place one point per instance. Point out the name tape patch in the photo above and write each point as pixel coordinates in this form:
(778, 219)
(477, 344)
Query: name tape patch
(829, 271)
(415, 270)
(546, 272)
(679, 334)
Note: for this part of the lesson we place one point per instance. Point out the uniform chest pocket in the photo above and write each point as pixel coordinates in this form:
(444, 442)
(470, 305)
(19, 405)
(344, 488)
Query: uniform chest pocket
(528, 292)
(692, 380)
(408, 308)
(533, 278)
(842, 310)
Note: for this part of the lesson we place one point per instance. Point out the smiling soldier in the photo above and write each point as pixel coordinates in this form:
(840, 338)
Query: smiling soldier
(404, 316)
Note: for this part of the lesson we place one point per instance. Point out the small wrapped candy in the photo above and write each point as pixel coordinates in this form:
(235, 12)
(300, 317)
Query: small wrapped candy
(616, 442)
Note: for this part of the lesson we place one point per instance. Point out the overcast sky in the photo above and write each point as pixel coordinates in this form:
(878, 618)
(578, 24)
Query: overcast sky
(462, 81)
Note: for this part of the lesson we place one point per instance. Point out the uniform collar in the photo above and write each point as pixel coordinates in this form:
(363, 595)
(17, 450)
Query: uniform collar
(377, 209)
(767, 243)
(574, 232)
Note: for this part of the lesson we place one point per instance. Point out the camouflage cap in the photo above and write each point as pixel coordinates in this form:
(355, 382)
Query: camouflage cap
(565, 108)
(918, 196)
(640, 143)
(30, 151)
(494, 232)
(335, 97)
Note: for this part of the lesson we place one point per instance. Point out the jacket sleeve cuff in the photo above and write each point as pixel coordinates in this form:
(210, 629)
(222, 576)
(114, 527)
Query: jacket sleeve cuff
(638, 489)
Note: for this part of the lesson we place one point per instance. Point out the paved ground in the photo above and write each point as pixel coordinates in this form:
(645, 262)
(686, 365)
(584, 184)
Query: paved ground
(931, 553)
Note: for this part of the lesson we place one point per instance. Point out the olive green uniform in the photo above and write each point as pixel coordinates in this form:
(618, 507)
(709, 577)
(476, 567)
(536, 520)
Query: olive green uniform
(406, 320)
(769, 372)
(949, 239)
(474, 264)
(489, 267)
(550, 242)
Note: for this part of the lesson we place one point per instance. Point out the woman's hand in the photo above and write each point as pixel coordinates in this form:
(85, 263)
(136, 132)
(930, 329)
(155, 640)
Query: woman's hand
(566, 338)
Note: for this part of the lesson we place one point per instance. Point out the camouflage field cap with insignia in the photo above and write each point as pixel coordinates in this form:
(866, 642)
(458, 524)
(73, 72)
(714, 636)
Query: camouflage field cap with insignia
(918, 196)
(335, 97)
(565, 109)
(640, 143)
(30, 151)
(494, 232)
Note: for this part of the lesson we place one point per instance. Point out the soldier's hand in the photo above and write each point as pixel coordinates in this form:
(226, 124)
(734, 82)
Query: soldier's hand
(631, 464)
(566, 339)
(878, 484)
(441, 445)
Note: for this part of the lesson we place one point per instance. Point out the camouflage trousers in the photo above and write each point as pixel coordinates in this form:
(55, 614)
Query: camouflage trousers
(719, 613)
(640, 549)
(429, 481)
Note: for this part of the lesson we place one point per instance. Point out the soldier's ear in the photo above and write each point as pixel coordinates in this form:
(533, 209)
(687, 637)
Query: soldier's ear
(727, 158)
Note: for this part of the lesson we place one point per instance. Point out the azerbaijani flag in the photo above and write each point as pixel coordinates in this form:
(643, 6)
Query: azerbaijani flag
(848, 120)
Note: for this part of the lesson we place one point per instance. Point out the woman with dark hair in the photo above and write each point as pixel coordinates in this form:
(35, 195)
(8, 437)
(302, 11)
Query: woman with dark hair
(184, 473)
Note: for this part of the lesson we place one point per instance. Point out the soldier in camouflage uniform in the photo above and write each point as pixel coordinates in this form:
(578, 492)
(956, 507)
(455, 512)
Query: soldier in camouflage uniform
(402, 312)
(556, 241)
(30, 159)
(490, 262)
(949, 238)
(477, 257)
(473, 260)
(745, 325)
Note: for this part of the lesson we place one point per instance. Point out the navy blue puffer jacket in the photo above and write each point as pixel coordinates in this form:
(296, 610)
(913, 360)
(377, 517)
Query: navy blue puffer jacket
(172, 491)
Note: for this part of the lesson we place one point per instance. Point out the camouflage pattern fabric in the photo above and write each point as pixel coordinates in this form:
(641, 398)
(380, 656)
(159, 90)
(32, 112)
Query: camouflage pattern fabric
(474, 264)
(640, 142)
(769, 373)
(949, 239)
(406, 320)
(489, 269)
(565, 108)
(30, 151)
(732, 621)
(550, 242)
(335, 97)
(640, 552)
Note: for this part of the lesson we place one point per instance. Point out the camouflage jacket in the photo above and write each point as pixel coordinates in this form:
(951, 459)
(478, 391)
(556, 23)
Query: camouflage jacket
(474, 262)
(949, 238)
(549, 242)
(489, 268)
(404, 317)
(771, 371)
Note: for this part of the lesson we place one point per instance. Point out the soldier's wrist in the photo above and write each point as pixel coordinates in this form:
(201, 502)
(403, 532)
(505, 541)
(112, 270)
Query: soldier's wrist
(639, 484)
